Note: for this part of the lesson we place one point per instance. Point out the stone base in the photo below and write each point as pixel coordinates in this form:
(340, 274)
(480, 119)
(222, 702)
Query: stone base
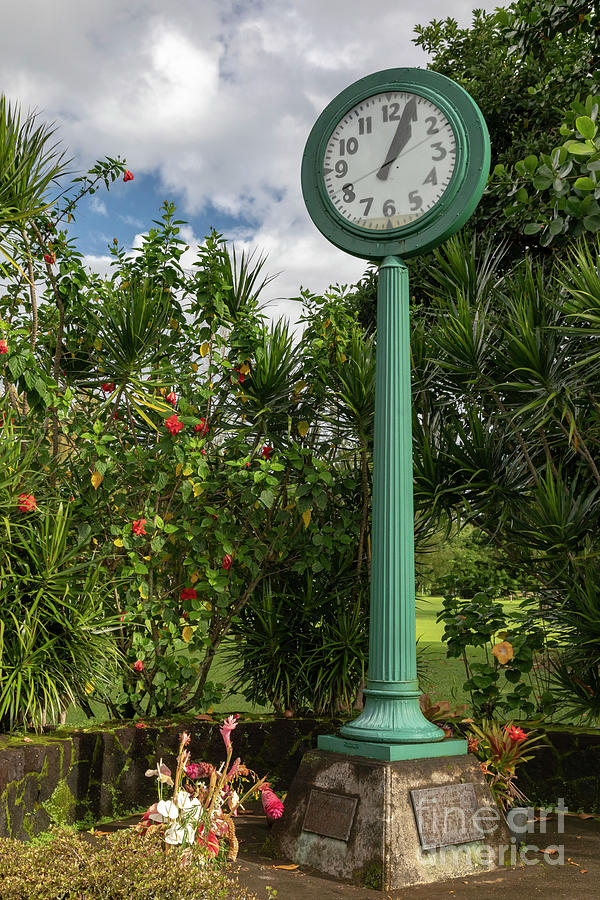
(353, 818)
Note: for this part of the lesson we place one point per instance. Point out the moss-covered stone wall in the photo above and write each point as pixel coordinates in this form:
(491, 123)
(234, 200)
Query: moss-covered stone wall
(568, 767)
(87, 775)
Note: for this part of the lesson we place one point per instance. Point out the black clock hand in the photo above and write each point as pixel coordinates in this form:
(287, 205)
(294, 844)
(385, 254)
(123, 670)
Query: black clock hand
(401, 138)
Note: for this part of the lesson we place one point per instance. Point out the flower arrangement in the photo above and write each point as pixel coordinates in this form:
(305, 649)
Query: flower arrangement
(500, 749)
(205, 800)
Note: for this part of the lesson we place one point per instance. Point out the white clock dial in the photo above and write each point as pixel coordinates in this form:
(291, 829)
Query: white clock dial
(389, 160)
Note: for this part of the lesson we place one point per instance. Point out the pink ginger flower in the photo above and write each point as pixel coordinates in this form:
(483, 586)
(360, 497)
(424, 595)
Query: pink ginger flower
(234, 769)
(272, 805)
(227, 727)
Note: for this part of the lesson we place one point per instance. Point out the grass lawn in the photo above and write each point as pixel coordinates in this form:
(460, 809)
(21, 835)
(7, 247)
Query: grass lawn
(446, 676)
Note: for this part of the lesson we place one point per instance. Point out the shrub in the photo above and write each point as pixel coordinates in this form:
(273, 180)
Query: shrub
(65, 866)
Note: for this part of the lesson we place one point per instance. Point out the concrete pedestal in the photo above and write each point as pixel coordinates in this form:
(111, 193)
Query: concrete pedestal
(353, 818)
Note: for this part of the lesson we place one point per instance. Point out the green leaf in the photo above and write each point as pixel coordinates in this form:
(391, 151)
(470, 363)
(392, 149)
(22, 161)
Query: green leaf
(17, 365)
(584, 184)
(586, 127)
(592, 223)
(532, 228)
(267, 498)
(541, 182)
(579, 149)
(530, 163)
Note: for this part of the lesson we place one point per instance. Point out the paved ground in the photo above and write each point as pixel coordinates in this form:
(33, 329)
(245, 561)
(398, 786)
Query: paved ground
(576, 878)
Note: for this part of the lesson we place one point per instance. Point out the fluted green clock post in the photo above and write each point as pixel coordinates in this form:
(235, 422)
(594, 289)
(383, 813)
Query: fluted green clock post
(393, 166)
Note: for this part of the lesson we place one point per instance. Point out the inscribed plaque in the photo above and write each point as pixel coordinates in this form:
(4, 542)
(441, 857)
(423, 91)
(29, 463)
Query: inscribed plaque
(446, 815)
(331, 815)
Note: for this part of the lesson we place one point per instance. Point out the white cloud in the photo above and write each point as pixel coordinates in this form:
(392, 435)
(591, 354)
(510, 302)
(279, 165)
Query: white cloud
(98, 206)
(216, 97)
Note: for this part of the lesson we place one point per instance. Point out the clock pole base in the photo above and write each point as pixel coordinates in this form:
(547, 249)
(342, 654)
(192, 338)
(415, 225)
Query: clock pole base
(389, 825)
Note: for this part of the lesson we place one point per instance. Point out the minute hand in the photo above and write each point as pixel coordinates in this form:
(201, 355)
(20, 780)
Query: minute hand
(401, 138)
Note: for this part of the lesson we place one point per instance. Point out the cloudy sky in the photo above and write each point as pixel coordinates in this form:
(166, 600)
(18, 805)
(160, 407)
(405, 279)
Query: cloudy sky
(211, 102)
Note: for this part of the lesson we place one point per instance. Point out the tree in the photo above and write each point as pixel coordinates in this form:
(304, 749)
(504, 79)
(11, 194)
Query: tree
(524, 65)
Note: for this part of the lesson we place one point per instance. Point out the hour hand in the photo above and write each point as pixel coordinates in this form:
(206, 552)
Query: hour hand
(401, 137)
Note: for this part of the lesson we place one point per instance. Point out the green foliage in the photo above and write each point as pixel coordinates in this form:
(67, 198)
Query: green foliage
(117, 867)
(555, 194)
(305, 649)
(508, 437)
(523, 65)
(55, 640)
(513, 678)
(198, 449)
(465, 564)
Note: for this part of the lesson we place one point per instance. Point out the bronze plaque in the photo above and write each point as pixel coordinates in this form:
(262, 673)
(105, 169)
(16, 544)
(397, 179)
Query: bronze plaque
(446, 815)
(331, 815)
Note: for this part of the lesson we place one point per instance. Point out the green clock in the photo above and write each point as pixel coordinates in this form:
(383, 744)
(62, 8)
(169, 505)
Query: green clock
(395, 164)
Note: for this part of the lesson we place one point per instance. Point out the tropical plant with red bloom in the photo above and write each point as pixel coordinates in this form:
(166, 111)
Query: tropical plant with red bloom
(3, 347)
(173, 425)
(188, 594)
(227, 562)
(108, 387)
(26, 502)
(171, 398)
(201, 428)
(127, 175)
(138, 526)
(266, 452)
(50, 258)
(516, 734)
(500, 754)
(138, 665)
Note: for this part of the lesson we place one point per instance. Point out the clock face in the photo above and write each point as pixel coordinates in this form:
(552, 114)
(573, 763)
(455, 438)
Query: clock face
(389, 160)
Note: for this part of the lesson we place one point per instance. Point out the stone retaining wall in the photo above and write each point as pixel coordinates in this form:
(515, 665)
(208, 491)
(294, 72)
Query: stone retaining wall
(84, 776)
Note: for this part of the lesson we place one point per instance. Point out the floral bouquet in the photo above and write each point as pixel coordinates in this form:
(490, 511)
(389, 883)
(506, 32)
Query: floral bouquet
(204, 802)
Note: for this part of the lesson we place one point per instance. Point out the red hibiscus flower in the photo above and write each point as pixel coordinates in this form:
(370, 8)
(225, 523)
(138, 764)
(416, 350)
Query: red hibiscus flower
(3, 347)
(171, 398)
(108, 387)
(227, 561)
(201, 428)
(27, 502)
(188, 594)
(50, 258)
(128, 176)
(138, 665)
(516, 734)
(266, 452)
(138, 526)
(173, 425)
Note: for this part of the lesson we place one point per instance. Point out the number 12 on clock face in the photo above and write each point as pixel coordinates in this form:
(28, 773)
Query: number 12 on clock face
(389, 160)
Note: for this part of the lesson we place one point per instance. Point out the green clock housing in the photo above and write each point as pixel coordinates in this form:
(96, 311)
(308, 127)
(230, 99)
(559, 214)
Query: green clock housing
(395, 164)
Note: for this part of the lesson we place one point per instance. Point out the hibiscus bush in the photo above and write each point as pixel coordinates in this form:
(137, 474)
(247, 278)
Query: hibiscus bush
(193, 450)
